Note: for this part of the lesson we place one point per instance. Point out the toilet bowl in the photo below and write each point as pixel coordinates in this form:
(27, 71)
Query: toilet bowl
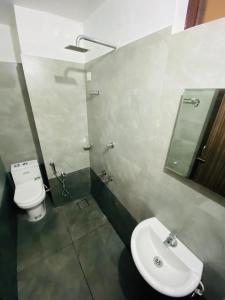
(29, 189)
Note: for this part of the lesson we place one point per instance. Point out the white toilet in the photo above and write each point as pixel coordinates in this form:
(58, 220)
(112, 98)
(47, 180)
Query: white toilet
(29, 189)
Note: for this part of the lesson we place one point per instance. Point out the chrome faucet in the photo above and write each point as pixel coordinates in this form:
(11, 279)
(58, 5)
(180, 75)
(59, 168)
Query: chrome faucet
(171, 240)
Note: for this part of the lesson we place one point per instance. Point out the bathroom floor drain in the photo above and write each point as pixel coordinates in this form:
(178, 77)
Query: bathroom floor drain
(83, 203)
(157, 261)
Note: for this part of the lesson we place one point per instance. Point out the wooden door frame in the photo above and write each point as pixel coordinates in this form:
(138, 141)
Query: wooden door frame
(195, 12)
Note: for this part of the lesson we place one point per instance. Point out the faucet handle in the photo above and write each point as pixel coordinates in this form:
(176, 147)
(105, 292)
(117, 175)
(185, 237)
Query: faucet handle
(173, 238)
(108, 179)
(102, 173)
(173, 234)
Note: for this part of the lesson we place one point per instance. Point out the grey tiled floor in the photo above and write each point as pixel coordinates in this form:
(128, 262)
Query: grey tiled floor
(83, 217)
(75, 254)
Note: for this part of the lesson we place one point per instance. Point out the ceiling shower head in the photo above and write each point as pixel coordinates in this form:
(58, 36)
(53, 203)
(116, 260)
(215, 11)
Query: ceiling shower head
(76, 48)
(89, 39)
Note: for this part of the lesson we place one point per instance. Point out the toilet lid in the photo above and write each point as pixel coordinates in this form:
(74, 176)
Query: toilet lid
(29, 192)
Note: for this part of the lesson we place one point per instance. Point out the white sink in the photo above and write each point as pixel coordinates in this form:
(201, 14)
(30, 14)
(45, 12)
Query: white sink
(173, 271)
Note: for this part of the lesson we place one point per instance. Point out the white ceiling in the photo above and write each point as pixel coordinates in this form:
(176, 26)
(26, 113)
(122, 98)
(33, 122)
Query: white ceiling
(78, 10)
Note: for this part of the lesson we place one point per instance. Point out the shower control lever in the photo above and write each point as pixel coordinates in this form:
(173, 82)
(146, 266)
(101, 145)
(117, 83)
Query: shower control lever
(102, 173)
(108, 179)
(110, 145)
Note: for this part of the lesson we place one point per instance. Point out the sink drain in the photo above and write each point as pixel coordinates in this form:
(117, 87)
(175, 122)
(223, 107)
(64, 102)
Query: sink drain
(157, 261)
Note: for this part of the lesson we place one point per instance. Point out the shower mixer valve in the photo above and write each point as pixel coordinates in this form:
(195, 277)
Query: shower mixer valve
(108, 179)
(104, 177)
(102, 173)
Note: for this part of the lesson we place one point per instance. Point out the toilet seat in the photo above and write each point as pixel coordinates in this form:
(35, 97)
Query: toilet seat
(29, 194)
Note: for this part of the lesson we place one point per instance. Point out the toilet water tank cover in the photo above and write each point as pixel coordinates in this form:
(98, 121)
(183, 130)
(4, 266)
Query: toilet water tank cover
(28, 192)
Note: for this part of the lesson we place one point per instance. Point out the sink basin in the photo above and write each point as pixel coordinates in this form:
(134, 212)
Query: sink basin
(173, 271)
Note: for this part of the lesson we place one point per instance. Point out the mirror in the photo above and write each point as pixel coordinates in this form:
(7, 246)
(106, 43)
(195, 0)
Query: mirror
(197, 148)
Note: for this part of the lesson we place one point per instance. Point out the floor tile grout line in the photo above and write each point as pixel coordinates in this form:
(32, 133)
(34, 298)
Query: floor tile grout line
(47, 256)
(68, 226)
(54, 251)
(85, 235)
(74, 241)
(68, 229)
(82, 270)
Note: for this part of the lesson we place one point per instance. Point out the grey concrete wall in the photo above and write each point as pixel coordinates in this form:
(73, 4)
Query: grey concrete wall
(140, 87)
(16, 142)
(57, 94)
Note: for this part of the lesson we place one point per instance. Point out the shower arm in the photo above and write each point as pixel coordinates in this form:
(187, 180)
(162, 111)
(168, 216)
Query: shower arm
(93, 40)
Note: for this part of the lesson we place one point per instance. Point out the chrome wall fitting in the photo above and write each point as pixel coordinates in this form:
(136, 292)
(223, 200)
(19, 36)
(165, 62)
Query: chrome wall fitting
(47, 189)
(94, 92)
(88, 147)
(89, 39)
(61, 179)
(199, 290)
(102, 173)
(108, 179)
(194, 101)
(111, 145)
